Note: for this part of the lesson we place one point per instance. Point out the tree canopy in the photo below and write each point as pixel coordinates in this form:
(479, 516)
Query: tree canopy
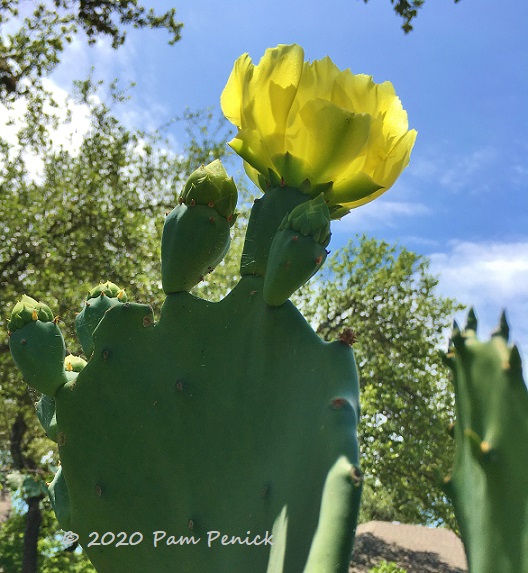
(32, 47)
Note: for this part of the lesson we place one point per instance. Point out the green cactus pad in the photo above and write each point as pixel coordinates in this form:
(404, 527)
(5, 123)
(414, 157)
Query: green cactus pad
(46, 410)
(297, 251)
(339, 509)
(217, 418)
(293, 260)
(267, 214)
(489, 481)
(47, 416)
(191, 444)
(58, 492)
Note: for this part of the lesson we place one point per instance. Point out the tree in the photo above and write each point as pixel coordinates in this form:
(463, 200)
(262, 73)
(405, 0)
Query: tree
(91, 214)
(408, 10)
(34, 49)
(53, 556)
(382, 299)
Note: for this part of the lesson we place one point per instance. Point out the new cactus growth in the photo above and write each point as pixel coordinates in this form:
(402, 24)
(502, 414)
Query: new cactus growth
(196, 233)
(37, 345)
(298, 250)
(101, 298)
(489, 482)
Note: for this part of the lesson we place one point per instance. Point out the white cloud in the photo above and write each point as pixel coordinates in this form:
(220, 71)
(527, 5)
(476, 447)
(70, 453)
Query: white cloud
(378, 213)
(105, 63)
(69, 132)
(490, 277)
(78, 58)
(473, 269)
(464, 169)
(454, 172)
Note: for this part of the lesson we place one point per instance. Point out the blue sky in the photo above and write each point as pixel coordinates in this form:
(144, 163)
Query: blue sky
(462, 75)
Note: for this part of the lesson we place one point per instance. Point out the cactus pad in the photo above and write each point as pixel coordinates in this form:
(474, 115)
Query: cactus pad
(489, 481)
(222, 437)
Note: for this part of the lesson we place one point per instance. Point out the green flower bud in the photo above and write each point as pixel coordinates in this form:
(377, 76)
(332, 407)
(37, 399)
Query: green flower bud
(74, 363)
(209, 185)
(311, 219)
(108, 289)
(28, 310)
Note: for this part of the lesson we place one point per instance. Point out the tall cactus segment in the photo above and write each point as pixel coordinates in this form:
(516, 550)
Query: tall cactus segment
(489, 482)
(222, 438)
(215, 421)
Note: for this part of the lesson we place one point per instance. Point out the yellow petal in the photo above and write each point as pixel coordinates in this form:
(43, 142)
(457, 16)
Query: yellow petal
(254, 175)
(319, 129)
(317, 81)
(233, 96)
(249, 145)
(333, 137)
(281, 99)
(353, 191)
(273, 86)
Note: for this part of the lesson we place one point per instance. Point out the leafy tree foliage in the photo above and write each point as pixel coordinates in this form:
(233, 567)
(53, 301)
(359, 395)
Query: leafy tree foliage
(387, 567)
(53, 556)
(382, 299)
(33, 49)
(408, 10)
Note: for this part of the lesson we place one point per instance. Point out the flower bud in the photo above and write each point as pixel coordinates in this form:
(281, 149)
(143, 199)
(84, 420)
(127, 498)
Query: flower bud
(210, 186)
(28, 310)
(108, 289)
(312, 219)
(74, 363)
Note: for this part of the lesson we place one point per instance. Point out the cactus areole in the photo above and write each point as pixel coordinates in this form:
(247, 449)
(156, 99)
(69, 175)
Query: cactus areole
(222, 437)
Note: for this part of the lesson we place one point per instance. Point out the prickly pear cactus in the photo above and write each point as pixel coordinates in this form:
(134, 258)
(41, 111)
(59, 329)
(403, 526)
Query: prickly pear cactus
(489, 482)
(222, 437)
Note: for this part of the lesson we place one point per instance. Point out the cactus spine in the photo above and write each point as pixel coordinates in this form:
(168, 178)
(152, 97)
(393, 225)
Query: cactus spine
(489, 481)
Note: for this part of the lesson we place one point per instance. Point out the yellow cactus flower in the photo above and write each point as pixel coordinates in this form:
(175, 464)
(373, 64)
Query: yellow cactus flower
(311, 126)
